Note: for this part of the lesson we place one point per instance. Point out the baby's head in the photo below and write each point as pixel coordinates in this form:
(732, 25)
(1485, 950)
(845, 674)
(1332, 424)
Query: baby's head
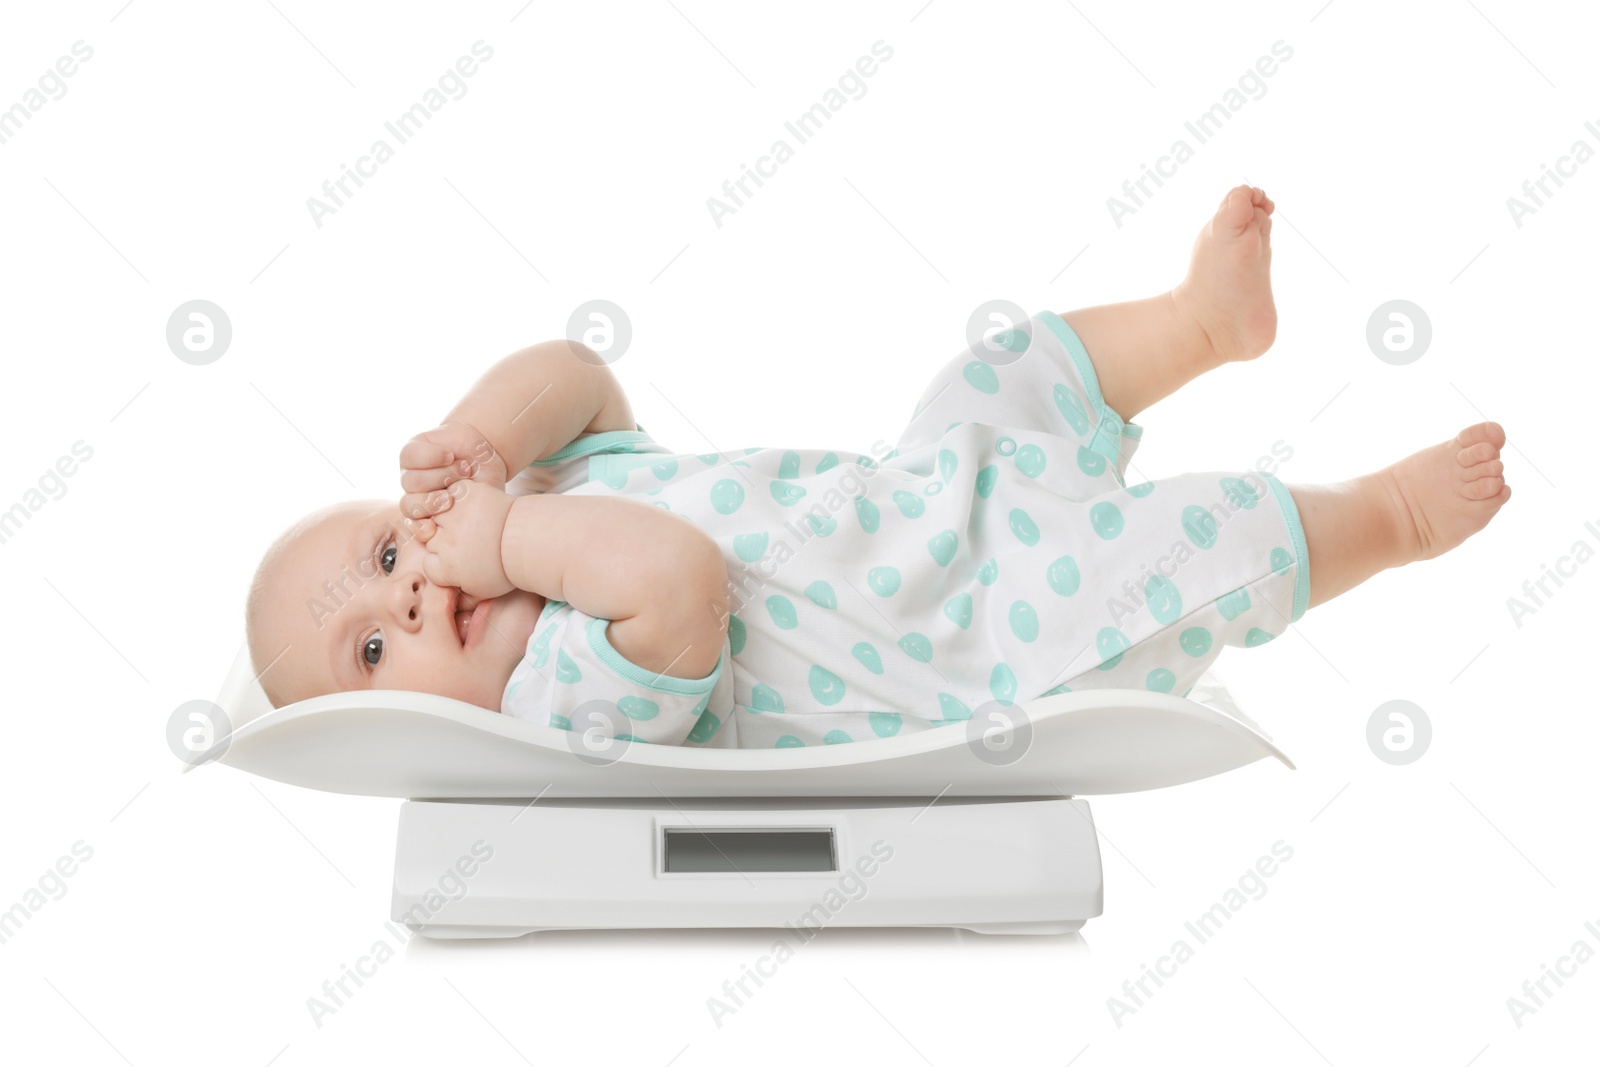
(340, 602)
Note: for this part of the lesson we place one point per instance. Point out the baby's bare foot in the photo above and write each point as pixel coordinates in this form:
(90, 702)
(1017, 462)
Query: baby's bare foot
(1228, 291)
(1444, 494)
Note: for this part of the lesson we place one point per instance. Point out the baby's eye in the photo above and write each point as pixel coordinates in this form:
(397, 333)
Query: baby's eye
(372, 649)
(387, 558)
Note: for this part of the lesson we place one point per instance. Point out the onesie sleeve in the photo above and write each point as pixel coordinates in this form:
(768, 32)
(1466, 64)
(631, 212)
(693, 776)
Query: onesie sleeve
(589, 457)
(572, 678)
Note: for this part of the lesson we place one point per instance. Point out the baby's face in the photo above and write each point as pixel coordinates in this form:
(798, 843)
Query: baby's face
(351, 609)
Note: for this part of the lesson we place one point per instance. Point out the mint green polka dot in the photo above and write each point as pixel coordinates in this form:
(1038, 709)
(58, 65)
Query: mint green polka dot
(1063, 576)
(541, 647)
(1012, 340)
(638, 708)
(1142, 489)
(735, 634)
(981, 377)
(513, 690)
(1002, 683)
(665, 469)
(867, 514)
(1071, 408)
(788, 741)
(829, 461)
(1091, 462)
(1056, 689)
(836, 737)
(1024, 621)
(947, 463)
(821, 594)
(951, 708)
(821, 525)
(986, 479)
(884, 723)
(883, 580)
(918, 647)
(560, 722)
(1160, 680)
(1196, 641)
(781, 608)
(1200, 526)
(942, 546)
(1111, 643)
(750, 547)
(1239, 493)
(789, 464)
(958, 609)
(910, 504)
(1106, 519)
(787, 493)
(1257, 636)
(726, 496)
(708, 458)
(1233, 604)
(631, 737)
(1280, 560)
(1024, 527)
(989, 571)
(1030, 460)
(764, 698)
(826, 686)
(566, 670)
(705, 728)
(1162, 596)
(868, 657)
(866, 461)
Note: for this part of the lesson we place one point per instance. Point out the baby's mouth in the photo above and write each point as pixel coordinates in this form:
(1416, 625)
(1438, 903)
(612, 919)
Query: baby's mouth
(463, 615)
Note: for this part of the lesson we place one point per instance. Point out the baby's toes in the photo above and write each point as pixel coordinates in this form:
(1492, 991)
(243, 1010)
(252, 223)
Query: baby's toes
(1485, 488)
(1237, 208)
(1473, 455)
(1483, 433)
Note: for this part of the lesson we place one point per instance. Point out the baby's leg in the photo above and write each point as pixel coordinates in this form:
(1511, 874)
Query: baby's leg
(1426, 504)
(1264, 560)
(1222, 311)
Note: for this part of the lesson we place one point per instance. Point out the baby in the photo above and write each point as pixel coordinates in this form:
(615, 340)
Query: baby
(769, 597)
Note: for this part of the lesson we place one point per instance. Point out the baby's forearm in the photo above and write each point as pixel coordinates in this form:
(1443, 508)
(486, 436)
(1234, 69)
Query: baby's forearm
(614, 558)
(537, 400)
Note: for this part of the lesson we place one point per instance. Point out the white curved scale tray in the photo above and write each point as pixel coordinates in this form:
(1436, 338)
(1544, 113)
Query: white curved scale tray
(403, 744)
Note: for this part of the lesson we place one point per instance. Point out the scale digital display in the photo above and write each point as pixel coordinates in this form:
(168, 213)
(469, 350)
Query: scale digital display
(703, 850)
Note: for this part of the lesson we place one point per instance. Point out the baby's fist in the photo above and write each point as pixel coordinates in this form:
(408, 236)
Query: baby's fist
(433, 461)
(464, 548)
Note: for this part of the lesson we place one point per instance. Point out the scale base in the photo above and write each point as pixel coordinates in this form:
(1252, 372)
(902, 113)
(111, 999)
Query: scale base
(503, 868)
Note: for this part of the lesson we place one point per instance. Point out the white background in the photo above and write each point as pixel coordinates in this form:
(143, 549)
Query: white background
(977, 165)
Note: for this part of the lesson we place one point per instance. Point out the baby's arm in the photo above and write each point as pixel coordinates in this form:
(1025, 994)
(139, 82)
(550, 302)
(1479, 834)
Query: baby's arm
(660, 579)
(536, 401)
(525, 407)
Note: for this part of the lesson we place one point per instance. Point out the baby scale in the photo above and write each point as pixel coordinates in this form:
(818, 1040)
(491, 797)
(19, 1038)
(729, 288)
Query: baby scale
(952, 827)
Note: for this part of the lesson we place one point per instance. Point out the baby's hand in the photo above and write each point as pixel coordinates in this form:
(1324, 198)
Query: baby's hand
(462, 542)
(433, 461)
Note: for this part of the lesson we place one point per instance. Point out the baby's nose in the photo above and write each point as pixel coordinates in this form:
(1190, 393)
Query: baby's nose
(408, 599)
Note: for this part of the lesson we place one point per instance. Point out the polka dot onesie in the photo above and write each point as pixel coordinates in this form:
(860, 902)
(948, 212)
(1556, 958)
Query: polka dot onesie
(993, 556)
